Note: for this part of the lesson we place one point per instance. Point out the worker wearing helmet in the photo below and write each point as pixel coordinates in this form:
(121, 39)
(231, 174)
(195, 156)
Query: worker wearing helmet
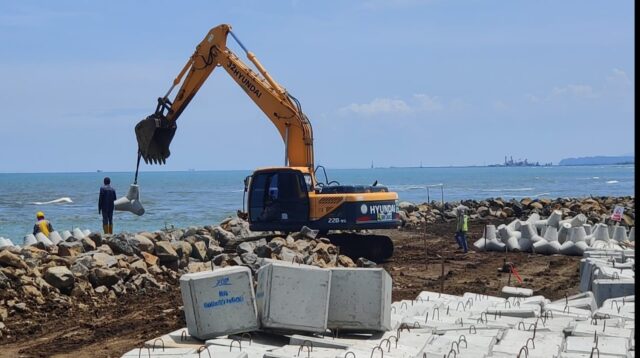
(462, 228)
(43, 225)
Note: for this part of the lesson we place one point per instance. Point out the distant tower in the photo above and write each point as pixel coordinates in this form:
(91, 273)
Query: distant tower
(372, 164)
(505, 160)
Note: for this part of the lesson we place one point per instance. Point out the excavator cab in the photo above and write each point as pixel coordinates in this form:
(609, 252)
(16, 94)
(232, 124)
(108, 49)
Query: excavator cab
(278, 200)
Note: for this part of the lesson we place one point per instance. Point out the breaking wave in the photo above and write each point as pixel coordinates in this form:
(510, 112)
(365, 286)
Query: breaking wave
(56, 201)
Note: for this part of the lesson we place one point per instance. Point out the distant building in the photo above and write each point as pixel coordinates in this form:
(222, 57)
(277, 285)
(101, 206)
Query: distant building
(519, 163)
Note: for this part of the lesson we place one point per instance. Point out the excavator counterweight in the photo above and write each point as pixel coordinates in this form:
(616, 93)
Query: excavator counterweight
(154, 134)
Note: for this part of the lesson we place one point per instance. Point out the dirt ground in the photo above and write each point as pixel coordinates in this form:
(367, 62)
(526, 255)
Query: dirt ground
(112, 330)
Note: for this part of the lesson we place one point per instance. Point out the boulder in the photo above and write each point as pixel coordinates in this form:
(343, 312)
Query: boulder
(363, 262)
(103, 277)
(120, 244)
(139, 266)
(103, 260)
(182, 248)
(149, 259)
(199, 250)
(407, 206)
(214, 250)
(88, 244)
(223, 236)
(9, 259)
(71, 249)
(245, 247)
(165, 252)
(345, 261)
(60, 277)
(143, 243)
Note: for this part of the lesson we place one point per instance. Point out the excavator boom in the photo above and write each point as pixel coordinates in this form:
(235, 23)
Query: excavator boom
(154, 133)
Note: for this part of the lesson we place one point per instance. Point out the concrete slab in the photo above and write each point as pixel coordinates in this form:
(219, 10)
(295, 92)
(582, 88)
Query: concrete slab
(360, 300)
(177, 339)
(293, 297)
(607, 288)
(606, 345)
(543, 345)
(509, 291)
(219, 302)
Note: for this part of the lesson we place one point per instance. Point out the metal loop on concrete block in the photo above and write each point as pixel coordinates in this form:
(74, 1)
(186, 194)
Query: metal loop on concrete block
(461, 339)
(416, 325)
(347, 354)
(454, 353)
(521, 323)
(203, 348)
(388, 344)
(374, 349)
(469, 301)
(426, 317)
(566, 308)
(433, 313)
(245, 334)
(604, 326)
(183, 336)
(404, 326)
(461, 322)
(474, 329)
(616, 302)
(594, 349)
(154, 344)
(594, 321)
(516, 303)
(505, 304)
(395, 338)
(457, 346)
(405, 305)
(140, 352)
(447, 311)
(533, 344)
(458, 305)
(239, 344)
(525, 350)
(595, 338)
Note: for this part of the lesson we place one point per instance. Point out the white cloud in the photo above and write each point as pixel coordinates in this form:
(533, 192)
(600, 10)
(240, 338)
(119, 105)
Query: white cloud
(616, 83)
(416, 104)
(578, 91)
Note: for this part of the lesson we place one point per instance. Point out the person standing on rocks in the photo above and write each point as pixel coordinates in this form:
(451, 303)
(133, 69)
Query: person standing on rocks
(106, 206)
(43, 225)
(462, 227)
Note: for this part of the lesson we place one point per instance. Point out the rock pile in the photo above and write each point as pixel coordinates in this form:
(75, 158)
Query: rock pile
(596, 209)
(554, 235)
(90, 267)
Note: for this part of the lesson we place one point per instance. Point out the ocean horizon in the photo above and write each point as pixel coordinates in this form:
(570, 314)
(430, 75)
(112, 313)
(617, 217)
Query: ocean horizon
(205, 197)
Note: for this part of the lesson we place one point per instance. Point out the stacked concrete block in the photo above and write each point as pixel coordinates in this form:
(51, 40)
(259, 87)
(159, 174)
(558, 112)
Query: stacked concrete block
(360, 299)
(219, 302)
(293, 297)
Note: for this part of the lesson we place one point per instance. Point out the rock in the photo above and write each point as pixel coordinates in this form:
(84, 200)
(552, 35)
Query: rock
(345, 261)
(146, 281)
(363, 262)
(305, 233)
(276, 244)
(71, 249)
(165, 252)
(149, 259)
(60, 277)
(536, 205)
(482, 211)
(105, 249)
(101, 290)
(103, 277)
(139, 266)
(286, 254)
(220, 259)
(223, 236)
(9, 259)
(182, 248)
(408, 207)
(88, 244)
(303, 245)
(263, 250)
(120, 244)
(79, 270)
(143, 243)
(245, 247)
(104, 260)
(214, 250)
(33, 293)
(4, 314)
(199, 250)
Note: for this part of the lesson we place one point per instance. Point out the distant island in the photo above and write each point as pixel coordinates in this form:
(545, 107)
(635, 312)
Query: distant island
(599, 160)
(519, 163)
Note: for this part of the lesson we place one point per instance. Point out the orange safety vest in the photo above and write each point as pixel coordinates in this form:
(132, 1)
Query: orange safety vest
(44, 227)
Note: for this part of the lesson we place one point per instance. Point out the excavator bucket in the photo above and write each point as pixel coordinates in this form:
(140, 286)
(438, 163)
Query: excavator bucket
(154, 134)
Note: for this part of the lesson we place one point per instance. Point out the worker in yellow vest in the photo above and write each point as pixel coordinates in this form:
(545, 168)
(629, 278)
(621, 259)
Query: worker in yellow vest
(43, 225)
(462, 227)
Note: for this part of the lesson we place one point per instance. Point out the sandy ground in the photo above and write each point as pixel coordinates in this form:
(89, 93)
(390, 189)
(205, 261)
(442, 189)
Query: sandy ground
(416, 265)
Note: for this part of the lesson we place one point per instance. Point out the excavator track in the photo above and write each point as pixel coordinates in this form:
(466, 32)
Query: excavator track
(377, 248)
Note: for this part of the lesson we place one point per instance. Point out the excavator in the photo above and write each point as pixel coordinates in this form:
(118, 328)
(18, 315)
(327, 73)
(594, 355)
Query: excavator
(286, 198)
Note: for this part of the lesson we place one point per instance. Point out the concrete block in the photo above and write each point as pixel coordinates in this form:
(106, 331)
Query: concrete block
(293, 297)
(177, 339)
(551, 234)
(40, 237)
(219, 302)
(78, 234)
(509, 291)
(55, 237)
(606, 345)
(360, 299)
(554, 219)
(546, 248)
(608, 288)
(29, 240)
(619, 233)
(65, 235)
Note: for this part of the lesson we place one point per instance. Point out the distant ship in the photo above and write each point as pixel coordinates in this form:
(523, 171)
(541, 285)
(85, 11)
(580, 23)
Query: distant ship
(99, 171)
(519, 163)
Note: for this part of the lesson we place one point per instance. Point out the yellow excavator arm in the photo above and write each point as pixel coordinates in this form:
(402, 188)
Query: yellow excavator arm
(154, 134)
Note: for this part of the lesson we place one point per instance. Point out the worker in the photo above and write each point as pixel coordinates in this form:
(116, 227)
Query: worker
(106, 206)
(43, 225)
(462, 228)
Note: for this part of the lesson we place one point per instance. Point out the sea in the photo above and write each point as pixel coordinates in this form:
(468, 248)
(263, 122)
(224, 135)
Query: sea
(197, 198)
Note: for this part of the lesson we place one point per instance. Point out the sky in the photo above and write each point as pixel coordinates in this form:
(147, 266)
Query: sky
(395, 82)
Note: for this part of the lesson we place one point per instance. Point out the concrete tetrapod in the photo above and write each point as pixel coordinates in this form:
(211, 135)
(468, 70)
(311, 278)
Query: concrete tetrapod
(5, 243)
(525, 244)
(632, 234)
(588, 229)
(65, 235)
(577, 234)
(40, 237)
(55, 237)
(29, 240)
(572, 249)
(528, 231)
(78, 234)
(513, 244)
(563, 232)
(554, 219)
(506, 232)
(546, 247)
(131, 201)
(601, 232)
(620, 233)
(551, 234)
